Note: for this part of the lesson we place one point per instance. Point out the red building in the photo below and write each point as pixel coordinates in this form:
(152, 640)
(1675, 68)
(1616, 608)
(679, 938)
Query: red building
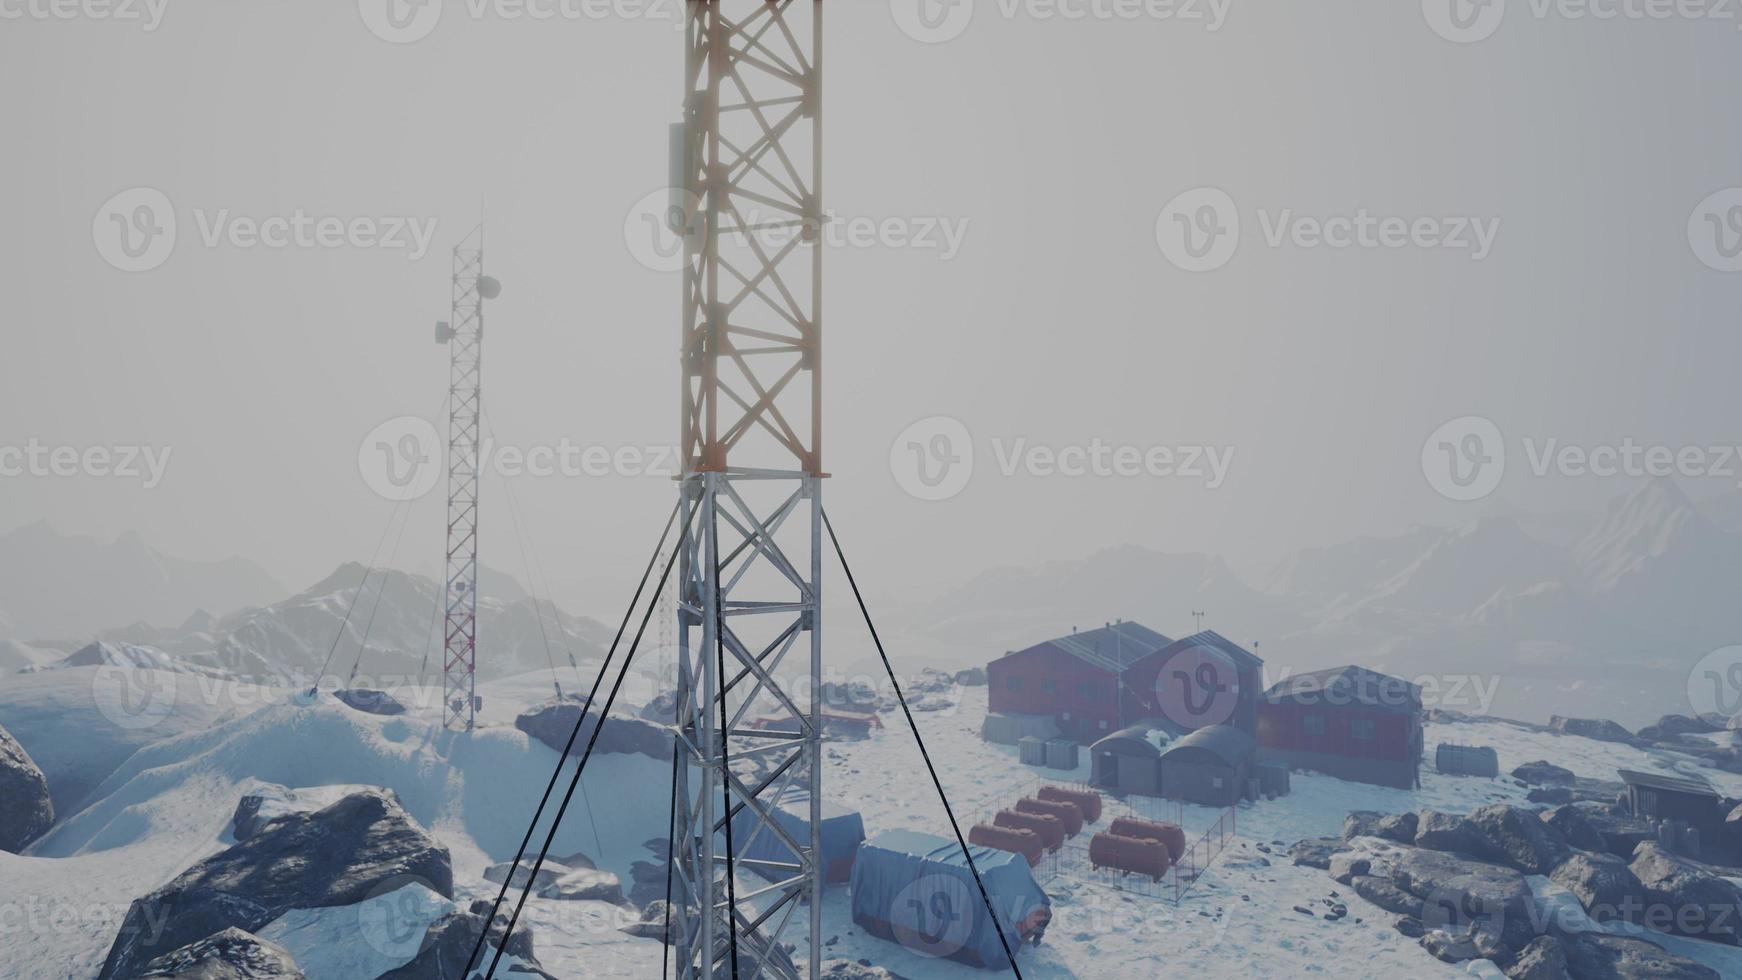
(1348, 722)
(1196, 683)
(1077, 680)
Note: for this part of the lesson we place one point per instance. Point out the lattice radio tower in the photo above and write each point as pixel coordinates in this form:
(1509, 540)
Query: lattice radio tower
(464, 335)
(748, 175)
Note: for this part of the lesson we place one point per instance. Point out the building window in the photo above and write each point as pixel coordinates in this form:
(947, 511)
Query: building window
(1014, 683)
(1089, 691)
(1362, 729)
(1313, 724)
(1049, 686)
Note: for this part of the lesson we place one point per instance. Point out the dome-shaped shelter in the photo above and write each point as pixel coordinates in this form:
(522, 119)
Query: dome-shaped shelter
(1129, 760)
(1210, 766)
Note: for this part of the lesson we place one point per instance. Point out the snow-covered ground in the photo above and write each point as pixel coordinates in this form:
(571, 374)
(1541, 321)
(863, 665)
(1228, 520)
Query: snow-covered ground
(169, 804)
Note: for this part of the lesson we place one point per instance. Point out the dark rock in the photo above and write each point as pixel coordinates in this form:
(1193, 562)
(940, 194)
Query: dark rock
(1346, 865)
(1622, 833)
(1383, 893)
(1551, 795)
(1673, 726)
(341, 855)
(1604, 885)
(651, 924)
(1399, 827)
(26, 812)
(229, 955)
(648, 882)
(1591, 956)
(972, 677)
(1361, 823)
(450, 940)
(1487, 906)
(849, 970)
(554, 721)
(1519, 838)
(1315, 852)
(370, 702)
(1544, 959)
(1542, 772)
(1438, 831)
(265, 806)
(1570, 823)
(548, 873)
(585, 885)
(662, 710)
(1410, 927)
(1600, 729)
(1686, 899)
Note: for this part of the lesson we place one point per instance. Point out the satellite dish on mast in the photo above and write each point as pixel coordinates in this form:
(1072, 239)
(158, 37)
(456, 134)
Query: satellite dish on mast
(488, 287)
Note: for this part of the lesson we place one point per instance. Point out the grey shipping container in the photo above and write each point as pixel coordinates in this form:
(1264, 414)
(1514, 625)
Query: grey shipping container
(1033, 751)
(1467, 760)
(1061, 753)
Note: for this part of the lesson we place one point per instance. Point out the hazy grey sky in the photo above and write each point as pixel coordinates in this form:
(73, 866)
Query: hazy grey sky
(1049, 146)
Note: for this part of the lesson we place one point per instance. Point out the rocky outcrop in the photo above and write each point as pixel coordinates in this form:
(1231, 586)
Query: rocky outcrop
(1383, 893)
(1399, 827)
(554, 721)
(1542, 772)
(1685, 898)
(651, 925)
(1570, 823)
(1543, 959)
(585, 885)
(861, 970)
(1591, 956)
(972, 677)
(549, 873)
(229, 955)
(1604, 885)
(26, 812)
(337, 856)
(1622, 832)
(1361, 823)
(1438, 831)
(1670, 727)
(1518, 838)
(1484, 909)
(1315, 852)
(449, 942)
(1599, 729)
(370, 702)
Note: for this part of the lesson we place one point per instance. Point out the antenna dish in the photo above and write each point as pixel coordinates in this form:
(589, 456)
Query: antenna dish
(488, 287)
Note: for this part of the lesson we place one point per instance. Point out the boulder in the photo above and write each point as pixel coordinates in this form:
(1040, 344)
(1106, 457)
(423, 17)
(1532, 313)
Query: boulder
(337, 856)
(270, 802)
(1383, 893)
(585, 885)
(1593, 956)
(370, 702)
(1398, 827)
(1362, 823)
(851, 970)
(1686, 899)
(1542, 772)
(1600, 729)
(228, 955)
(554, 721)
(26, 812)
(651, 924)
(1543, 959)
(1570, 823)
(1438, 831)
(1622, 832)
(1604, 885)
(1315, 852)
(648, 882)
(1673, 726)
(549, 873)
(1346, 866)
(449, 942)
(1484, 910)
(972, 677)
(1518, 837)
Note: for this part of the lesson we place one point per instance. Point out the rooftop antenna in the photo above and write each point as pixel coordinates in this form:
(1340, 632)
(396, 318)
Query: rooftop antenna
(1198, 618)
(464, 334)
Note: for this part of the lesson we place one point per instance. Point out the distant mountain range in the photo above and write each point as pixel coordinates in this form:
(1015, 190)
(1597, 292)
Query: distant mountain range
(1576, 614)
(64, 587)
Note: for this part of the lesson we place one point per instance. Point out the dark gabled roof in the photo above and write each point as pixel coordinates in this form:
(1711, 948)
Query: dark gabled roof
(1347, 686)
(1242, 657)
(1112, 648)
(1687, 785)
(1223, 743)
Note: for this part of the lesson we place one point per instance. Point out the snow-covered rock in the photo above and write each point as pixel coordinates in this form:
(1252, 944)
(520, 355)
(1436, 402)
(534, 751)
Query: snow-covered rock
(1605, 887)
(1600, 957)
(336, 856)
(370, 702)
(262, 806)
(1600, 729)
(449, 943)
(26, 810)
(231, 954)
(585, 885)
(553, 723)
(1518, 838)
(1687, 899)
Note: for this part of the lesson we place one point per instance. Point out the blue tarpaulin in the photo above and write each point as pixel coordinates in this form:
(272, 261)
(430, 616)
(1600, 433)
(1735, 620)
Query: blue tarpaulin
(917, 890)
(843, 832)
